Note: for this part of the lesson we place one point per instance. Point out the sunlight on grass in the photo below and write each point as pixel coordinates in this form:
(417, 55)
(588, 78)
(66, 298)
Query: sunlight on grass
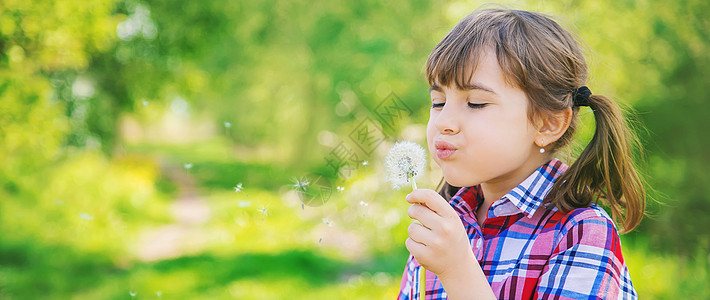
(659, 276)
(366, 286)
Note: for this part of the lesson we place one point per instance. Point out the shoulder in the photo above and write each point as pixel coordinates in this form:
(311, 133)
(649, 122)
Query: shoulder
(590, 227)
(594, 214)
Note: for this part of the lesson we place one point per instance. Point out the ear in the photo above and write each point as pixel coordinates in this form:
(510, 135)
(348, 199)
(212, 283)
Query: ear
(551, 126)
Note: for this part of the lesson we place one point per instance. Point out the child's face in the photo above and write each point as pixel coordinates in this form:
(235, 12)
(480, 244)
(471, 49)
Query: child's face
(487, 125)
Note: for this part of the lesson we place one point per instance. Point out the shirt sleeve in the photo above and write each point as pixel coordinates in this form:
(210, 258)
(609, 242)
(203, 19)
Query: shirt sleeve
(587, 262)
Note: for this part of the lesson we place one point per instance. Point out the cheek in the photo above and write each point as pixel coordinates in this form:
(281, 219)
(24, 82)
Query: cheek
(521, 133)
(505, 132)
(497, 140)
(430, 135)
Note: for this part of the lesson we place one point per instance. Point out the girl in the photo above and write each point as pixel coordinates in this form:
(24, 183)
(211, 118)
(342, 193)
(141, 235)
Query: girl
(506, 88)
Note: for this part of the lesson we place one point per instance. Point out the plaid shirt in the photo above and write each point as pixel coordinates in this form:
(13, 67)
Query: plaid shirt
(528, 250)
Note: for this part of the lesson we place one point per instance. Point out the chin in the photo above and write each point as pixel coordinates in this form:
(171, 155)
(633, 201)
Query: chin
(458, 183)
(457, 180)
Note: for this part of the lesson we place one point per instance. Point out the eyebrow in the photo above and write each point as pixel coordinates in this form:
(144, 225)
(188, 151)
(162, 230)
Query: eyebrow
(468, 87)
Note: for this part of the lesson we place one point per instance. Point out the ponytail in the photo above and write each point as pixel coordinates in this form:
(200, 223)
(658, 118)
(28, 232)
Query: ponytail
(605, 170)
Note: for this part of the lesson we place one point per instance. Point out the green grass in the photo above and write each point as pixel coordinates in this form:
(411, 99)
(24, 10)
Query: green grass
(666, 276)
(215, 166)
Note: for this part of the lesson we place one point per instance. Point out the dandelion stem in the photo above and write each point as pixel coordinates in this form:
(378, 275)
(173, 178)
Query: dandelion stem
(422, 284)
(422, 272)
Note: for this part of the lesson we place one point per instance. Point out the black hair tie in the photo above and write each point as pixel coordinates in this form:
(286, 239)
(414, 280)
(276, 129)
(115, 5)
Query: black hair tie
(580, 97)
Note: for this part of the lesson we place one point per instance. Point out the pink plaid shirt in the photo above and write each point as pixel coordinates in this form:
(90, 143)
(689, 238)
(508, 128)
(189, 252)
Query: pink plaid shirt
(528, 250)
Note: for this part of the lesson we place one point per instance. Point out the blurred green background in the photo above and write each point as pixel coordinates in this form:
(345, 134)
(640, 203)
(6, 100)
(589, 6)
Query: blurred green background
(154, 149)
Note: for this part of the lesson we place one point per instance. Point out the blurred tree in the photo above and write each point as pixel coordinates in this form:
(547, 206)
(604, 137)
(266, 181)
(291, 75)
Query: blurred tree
(277, 70)
(673, 108)
(52, 184)
(41, 45)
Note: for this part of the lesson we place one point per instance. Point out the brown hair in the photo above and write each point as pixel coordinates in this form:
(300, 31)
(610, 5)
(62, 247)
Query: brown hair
(544, 60)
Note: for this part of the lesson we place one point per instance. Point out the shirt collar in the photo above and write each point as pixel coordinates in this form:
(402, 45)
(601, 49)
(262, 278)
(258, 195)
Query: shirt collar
(526, 197)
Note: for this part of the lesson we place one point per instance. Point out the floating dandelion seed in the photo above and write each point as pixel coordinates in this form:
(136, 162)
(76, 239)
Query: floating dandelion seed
(313, 190)
(227, 127)
(327, 222)
(404, 163)
(239, 188)
(264, 210)
(188, 166)
(364, 163)
(86, 216)
(320, 240)
(159, 294)
(145, 102)
(244, 203)
(340, 188)
(132, 293)
(301, 184)
(363, 204)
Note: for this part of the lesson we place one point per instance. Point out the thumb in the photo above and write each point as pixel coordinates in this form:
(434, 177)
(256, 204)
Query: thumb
(430, 199)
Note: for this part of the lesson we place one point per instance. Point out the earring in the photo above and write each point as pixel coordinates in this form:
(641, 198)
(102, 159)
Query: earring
(542, 150)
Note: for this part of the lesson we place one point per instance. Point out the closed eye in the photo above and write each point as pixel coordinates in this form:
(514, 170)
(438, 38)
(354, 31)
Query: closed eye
(477, 105)
(471, 105)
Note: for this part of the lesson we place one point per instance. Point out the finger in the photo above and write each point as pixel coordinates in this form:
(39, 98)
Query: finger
(424, 215)
(430, 199)
(420, 234)
(415, 248)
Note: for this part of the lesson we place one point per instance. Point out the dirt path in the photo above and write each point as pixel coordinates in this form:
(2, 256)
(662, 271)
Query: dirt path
(183, 236)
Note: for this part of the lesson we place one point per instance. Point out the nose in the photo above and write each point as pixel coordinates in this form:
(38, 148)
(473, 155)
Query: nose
(447, 120)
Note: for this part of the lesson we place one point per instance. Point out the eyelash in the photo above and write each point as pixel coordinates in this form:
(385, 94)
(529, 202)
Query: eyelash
(471, 105)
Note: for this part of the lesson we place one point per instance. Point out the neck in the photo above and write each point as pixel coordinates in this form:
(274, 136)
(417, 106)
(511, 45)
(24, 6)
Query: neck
(496, 188)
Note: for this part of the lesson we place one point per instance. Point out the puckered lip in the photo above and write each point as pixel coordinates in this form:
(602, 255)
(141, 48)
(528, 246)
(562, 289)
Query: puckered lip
(442, 145)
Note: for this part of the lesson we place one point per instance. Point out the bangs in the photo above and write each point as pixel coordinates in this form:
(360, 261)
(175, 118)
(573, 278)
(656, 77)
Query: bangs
(454, 60)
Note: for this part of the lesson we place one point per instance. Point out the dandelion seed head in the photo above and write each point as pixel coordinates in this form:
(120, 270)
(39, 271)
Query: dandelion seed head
(405, 159)
(364, 163)
(145, 102)
(244, 204)
(188, 165)
(86, 216)
(227, 124)
(363, 204)
(132, 293)
(238, 188)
